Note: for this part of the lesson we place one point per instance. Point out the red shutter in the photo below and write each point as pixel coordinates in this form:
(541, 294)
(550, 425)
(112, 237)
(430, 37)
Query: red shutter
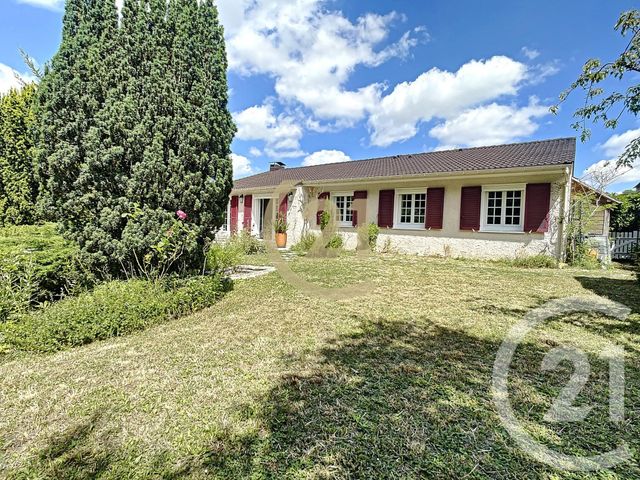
(359, 204)
(536, 209)
(322, 197)
(283, 207)
(233, 227)
(246, 224)
(435, 207)
(385, 208)
(470, 200)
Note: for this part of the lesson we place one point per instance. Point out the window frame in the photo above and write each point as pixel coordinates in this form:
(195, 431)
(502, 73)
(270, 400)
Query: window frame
(332, 197)
(397, 210)
(484, 208)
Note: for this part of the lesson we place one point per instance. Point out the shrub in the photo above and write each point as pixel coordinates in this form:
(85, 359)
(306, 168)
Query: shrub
(305, 243)
(18, 291)
(112, 309)
(373, 231)
(53, 261)
(223, 256)
(335, 242)
(325, 218)
(534, 261)
(281, 223)
(247, 243)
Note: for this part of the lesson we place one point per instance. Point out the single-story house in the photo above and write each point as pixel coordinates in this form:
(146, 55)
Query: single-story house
(483, 202)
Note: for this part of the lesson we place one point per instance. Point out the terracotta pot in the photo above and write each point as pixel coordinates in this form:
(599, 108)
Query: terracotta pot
(281, 240)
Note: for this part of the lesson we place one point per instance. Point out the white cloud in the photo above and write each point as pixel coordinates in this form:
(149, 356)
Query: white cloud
(281, 133)
(10, 78)
(323, 157)
(606, 172)
(255, 152)
(311, 51)
(530, 53)
(443, 94)
(617, 143)
(241, 166)
(50, 4)
(490, 125)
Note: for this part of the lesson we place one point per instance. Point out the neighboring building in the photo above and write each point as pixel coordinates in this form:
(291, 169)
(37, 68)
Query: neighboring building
(484, 202)
(637, 187)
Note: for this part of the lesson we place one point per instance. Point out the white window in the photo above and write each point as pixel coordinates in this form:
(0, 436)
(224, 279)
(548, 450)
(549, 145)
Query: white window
(344, 213)
(411, 209)
(502, 208)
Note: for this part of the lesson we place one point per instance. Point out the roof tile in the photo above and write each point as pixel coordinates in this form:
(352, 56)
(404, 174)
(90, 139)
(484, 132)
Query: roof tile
(560, 151)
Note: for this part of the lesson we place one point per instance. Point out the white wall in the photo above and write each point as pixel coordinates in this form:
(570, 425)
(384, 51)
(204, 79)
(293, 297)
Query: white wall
(451, 241)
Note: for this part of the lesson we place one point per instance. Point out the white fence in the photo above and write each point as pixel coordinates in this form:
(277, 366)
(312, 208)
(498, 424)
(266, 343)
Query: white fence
(624, 244)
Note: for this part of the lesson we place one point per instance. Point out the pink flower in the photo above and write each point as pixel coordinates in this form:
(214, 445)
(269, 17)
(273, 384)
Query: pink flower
(181, 215)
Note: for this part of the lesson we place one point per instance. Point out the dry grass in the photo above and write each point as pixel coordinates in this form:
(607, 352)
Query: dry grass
(270, 383)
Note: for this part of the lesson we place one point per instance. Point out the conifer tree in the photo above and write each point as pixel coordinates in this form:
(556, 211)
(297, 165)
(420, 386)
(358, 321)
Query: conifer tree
(149, 130)
(18, 184)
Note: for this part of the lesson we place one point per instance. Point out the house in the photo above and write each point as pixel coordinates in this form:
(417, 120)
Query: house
(637, 187)
(483, 202)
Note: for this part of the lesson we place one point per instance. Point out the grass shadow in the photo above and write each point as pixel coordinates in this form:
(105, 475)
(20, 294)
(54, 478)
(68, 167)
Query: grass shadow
(400, 400)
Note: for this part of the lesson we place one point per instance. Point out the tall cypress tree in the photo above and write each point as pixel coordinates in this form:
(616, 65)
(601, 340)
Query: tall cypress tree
(18, 185)
(154, 132)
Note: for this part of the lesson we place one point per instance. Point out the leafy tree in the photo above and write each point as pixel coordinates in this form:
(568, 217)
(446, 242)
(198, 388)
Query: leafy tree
(153, 132)
(18, 184)
(626, 216)
(608, 108)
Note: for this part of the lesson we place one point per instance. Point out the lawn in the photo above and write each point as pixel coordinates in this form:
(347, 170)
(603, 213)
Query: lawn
(270, 383)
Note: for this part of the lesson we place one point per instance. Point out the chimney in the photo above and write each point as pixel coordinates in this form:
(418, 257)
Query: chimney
(276, 166)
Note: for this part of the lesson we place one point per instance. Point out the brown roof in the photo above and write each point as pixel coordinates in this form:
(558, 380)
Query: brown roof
(560, 151)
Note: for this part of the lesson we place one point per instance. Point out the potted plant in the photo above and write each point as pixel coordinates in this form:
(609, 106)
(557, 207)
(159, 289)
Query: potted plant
(281, 230)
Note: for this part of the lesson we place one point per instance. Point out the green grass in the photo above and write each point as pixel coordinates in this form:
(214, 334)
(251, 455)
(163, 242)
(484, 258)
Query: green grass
(269, 383)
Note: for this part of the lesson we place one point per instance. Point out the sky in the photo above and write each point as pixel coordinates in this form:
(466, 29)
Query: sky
(321, 81)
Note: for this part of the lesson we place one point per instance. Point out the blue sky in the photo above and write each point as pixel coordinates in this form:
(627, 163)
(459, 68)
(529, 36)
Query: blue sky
(320, 81)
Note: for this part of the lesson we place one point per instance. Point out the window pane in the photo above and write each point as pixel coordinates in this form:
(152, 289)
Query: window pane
(514, 203)
(406, 202)
(348, 217)
(340, 208)
(494, 208)
(420, 207)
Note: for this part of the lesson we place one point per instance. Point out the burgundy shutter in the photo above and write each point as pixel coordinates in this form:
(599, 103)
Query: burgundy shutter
(283, 207)
(322, 197)
(470, 200)
(248, 199)
(536, 209)
(385, 208)
(359, 203)
(435, 207)
(233, 227)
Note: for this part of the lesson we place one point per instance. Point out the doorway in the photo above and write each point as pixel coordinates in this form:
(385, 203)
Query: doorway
(263, 209)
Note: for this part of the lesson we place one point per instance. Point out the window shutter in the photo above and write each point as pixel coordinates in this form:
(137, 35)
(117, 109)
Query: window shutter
(248, 201)
(322, 197)
(385, 208)
(435, 207)
(359, 205)
(470, 200)
(233, 227)
(536, 209)
(283, 206)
